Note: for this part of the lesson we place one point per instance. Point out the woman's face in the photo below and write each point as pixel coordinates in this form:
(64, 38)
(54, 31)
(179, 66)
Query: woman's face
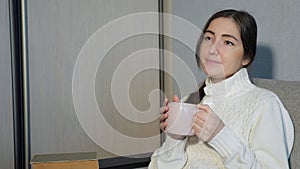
(221, 51)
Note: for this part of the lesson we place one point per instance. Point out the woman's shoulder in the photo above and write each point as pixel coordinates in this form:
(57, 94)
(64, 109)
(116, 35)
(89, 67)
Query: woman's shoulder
(261, 95)
(253, 97)
(262, 92)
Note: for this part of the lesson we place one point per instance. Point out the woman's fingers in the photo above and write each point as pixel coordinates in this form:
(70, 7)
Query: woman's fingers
(204, 107)
(196, 130)
(166, 102)
(163, 110)
(163, 126)
(206, 123)
(163, 117)
(176, 98)
(199, 122)
(201, 117)
(163, 114)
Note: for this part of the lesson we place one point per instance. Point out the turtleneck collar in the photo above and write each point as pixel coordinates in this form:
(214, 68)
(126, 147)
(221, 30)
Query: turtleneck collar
(234, 84)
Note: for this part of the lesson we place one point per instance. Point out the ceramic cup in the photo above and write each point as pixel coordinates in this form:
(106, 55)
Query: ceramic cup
(181, 117)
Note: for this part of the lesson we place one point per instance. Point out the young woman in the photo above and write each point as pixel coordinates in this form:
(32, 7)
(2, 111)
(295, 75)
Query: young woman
(239, 126)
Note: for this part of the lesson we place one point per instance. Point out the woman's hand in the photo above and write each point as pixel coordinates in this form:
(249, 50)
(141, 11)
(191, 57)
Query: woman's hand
(164, 115)
(206, 123)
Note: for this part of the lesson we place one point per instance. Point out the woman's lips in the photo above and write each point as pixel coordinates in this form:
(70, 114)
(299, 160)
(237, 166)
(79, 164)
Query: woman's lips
(212, 61)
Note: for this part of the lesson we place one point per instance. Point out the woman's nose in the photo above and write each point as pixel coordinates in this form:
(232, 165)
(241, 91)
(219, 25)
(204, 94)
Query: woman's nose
(213, 49)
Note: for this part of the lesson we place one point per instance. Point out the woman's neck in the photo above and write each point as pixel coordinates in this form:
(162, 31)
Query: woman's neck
(219, 79)
(216, 80)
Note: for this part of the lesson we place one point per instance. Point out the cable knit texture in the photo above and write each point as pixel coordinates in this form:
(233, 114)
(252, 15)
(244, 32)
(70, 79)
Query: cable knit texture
(251, 115)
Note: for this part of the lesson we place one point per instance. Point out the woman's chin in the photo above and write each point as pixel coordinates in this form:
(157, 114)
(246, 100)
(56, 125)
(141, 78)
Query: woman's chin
(216, 73)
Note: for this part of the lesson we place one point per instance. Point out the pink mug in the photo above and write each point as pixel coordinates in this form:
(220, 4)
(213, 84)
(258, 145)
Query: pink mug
(181, 117)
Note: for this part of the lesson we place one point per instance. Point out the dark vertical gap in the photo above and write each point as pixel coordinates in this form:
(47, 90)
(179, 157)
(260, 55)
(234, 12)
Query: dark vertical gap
(161, 48)
(161, 57)
(15, 19)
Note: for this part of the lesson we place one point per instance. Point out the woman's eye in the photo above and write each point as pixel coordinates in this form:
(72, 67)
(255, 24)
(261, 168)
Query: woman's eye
(207, 38)
(229, 43)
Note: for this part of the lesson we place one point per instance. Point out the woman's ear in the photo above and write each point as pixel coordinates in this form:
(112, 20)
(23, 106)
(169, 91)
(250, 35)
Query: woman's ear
(246, 61)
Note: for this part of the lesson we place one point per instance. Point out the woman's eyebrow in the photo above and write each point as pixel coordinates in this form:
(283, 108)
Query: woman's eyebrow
(231, 36)
(209, 31)
(223, 35)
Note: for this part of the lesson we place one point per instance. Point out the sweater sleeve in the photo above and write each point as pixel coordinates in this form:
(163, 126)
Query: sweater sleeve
(270, 142)
(171, 155)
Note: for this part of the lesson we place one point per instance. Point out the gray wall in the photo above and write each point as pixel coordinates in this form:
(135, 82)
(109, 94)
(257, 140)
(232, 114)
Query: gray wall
(6, 113)
(57, 31)
(278, 33)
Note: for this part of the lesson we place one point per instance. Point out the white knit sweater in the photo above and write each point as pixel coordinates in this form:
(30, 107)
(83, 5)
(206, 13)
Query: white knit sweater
(258, 131)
